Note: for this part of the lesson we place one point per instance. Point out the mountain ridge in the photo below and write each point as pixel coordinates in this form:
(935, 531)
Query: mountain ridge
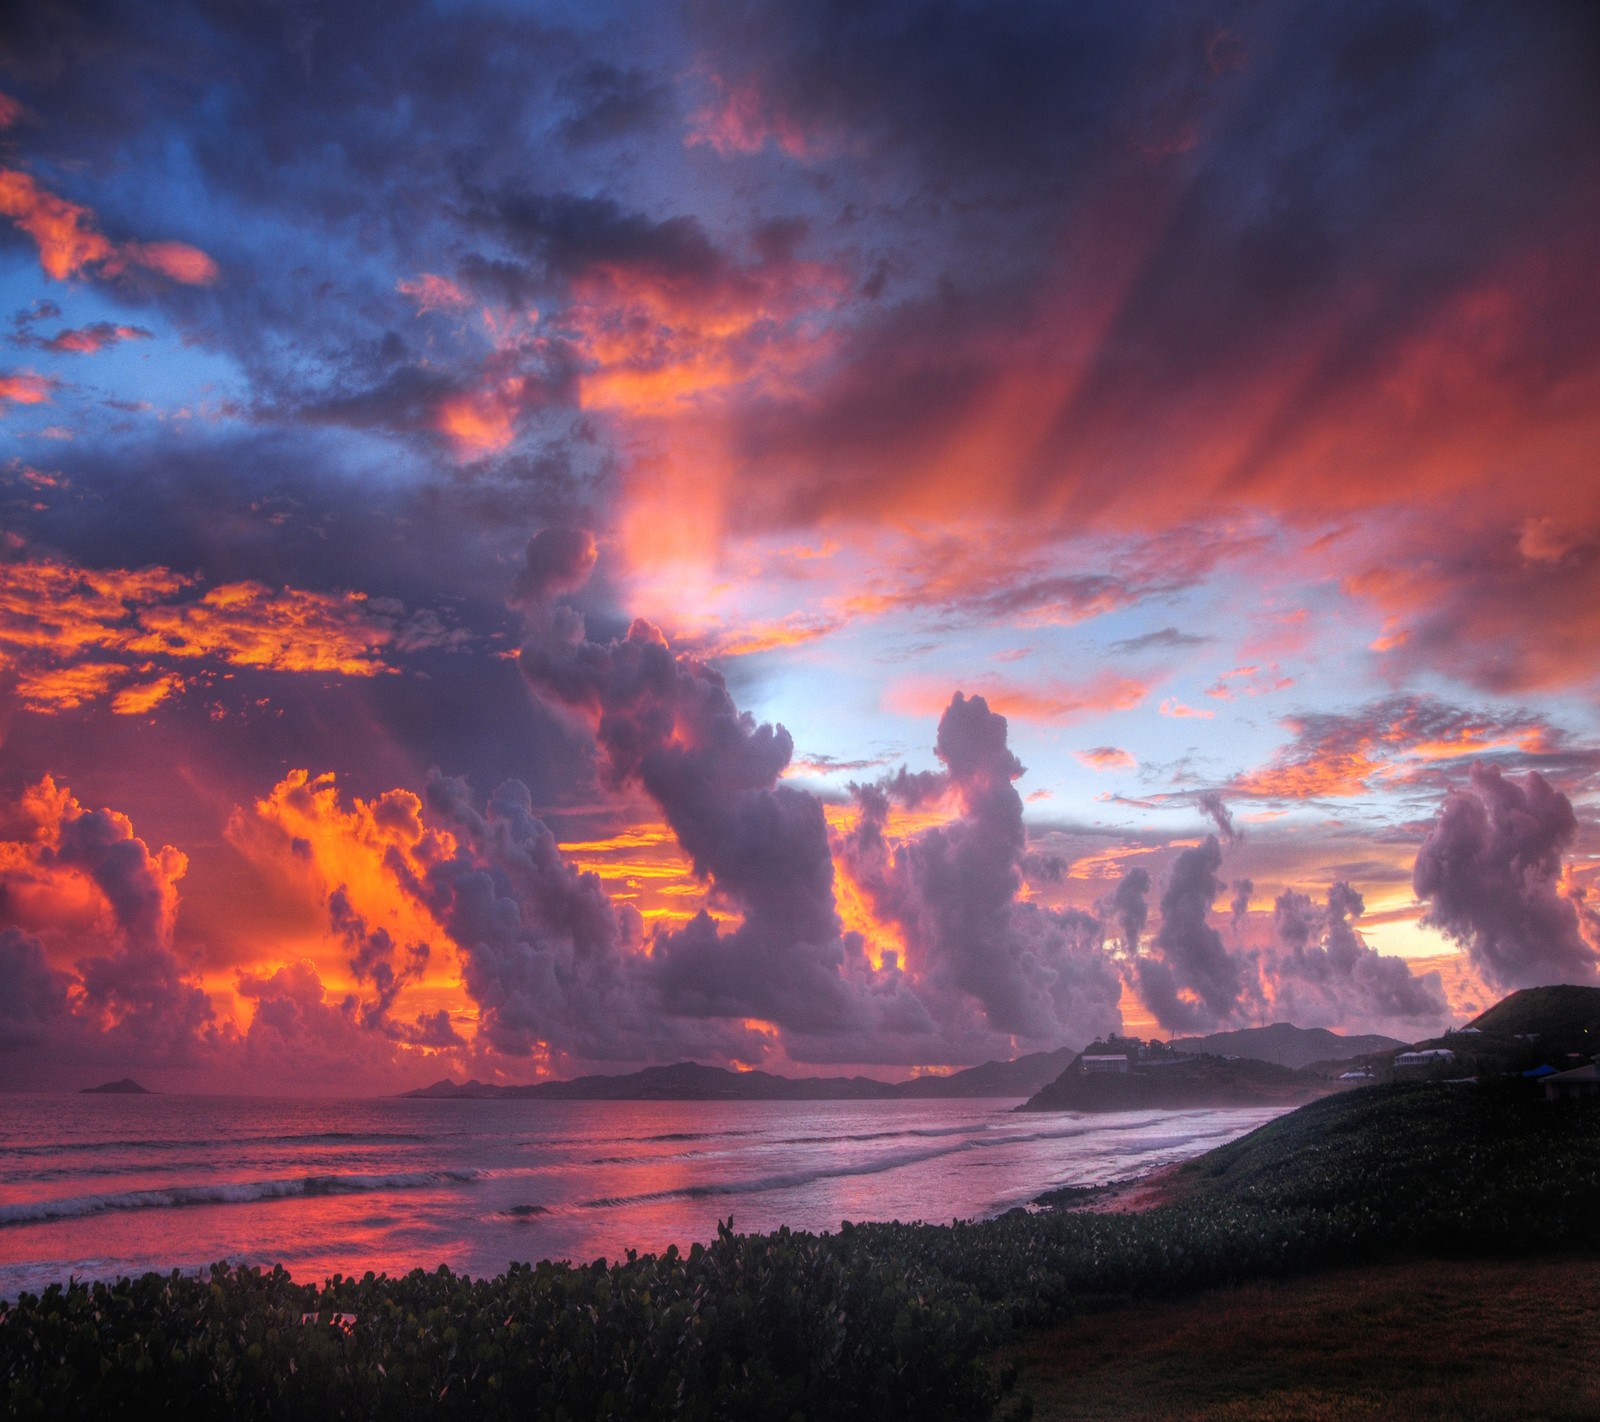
(692, 1081)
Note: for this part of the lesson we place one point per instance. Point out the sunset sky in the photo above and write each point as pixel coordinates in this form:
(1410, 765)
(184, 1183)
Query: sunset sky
(548, 538)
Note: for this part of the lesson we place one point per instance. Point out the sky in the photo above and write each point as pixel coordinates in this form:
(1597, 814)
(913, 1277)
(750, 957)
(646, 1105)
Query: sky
(548, 538)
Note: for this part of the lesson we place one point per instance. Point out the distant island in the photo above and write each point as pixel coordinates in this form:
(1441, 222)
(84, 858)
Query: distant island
(690, 1081)
(125, 1087)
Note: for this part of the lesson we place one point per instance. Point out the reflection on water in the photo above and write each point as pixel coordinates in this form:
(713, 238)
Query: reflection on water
(96, 1186)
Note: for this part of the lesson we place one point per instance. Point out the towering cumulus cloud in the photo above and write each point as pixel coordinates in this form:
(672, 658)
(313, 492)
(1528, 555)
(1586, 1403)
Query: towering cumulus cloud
(980, 967)
(1340, 979)
(1490, 871)
(667, 724)
(1189, 979)
(1029, 972)
(87, 949)
(545, 955)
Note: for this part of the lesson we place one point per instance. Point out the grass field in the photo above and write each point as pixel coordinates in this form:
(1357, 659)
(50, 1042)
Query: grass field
(1478, 1341)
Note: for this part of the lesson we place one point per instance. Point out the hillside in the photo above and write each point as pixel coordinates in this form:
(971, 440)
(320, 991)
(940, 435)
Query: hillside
(1021, 1077)
(690, 1081)
(1287, 1045)
(1559, 1015)
(1179, 1083)
(127, 1086)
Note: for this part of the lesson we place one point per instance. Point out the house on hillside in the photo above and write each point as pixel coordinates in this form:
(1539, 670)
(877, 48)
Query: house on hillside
(1414, 1063)
(1567, 1085)
(1103, 1063)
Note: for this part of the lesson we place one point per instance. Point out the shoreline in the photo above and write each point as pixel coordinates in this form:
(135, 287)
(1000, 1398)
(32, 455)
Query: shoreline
(1138, 1193)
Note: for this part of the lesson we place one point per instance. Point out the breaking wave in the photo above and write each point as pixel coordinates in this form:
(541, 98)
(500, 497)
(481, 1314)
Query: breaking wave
(237, 1193)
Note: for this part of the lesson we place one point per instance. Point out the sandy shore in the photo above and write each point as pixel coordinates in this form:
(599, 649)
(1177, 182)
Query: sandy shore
(1142, 1192)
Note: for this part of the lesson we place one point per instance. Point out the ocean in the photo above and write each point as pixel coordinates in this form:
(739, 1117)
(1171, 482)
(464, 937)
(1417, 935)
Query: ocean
(100, 1186)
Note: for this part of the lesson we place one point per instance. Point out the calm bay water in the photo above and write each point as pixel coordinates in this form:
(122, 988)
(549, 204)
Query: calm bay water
(97, 1186)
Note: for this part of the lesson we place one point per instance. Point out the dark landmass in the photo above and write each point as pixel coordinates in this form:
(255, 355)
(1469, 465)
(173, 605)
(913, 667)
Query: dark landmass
(1178, 1082)
(126, 1087)
(1565, 1015)
(1487, 1339)
(690, 1081)
(877, 1322)
(1557, 1027)
(1021, 1077)
(1287, 1045)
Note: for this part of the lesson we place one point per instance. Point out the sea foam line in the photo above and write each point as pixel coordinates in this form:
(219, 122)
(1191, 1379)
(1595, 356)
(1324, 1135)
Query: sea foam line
(236, 1193)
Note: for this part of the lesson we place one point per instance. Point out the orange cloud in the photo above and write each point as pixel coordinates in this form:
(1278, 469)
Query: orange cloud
(433, 293)
(177, 260)
(68, 242)
(308, 841)
(1341, 755)
(791, 631)
(25, 389)
(63, 230)
(65, 688)
(1173, 707)
(656, 339)
(482, 422)
(644, 866)
(58, 623)
(83, 882)
(738, 119)
(87, 340)
(135, 700)
(251, 625)
(1054, 703)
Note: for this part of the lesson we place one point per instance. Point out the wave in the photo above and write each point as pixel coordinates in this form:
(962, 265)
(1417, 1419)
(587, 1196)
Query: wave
(210, 1144)
(236, 1193)
(794, 1179)
(967, 1128)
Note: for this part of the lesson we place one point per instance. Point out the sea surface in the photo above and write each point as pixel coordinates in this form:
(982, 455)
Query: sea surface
(100, 1186)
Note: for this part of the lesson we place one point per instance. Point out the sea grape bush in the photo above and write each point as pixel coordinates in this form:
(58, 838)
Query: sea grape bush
(878, 1321)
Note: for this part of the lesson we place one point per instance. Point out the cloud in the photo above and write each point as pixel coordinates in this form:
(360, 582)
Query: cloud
(1397, 739)
(33, 995)
(25, 388)
(69, 244)
(87, 340)
(1188, 978)
(1326, 975)
(555, 968)
(1166, 639)
(1106, 758)
(1210, 804)
(1508, 610)
(953, 892)
(434, 293)
(1054, 703)
(90, 911)
(1490, 873)
(1175, 708)
(57, 619)
(1129, 907)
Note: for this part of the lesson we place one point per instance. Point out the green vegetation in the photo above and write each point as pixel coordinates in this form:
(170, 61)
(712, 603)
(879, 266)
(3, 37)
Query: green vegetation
(887, 1321)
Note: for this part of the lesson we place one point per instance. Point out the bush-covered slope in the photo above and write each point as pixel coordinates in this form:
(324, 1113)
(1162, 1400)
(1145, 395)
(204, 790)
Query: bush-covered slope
(1186, 1081)
(1563, 1012)
(883, 1321)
